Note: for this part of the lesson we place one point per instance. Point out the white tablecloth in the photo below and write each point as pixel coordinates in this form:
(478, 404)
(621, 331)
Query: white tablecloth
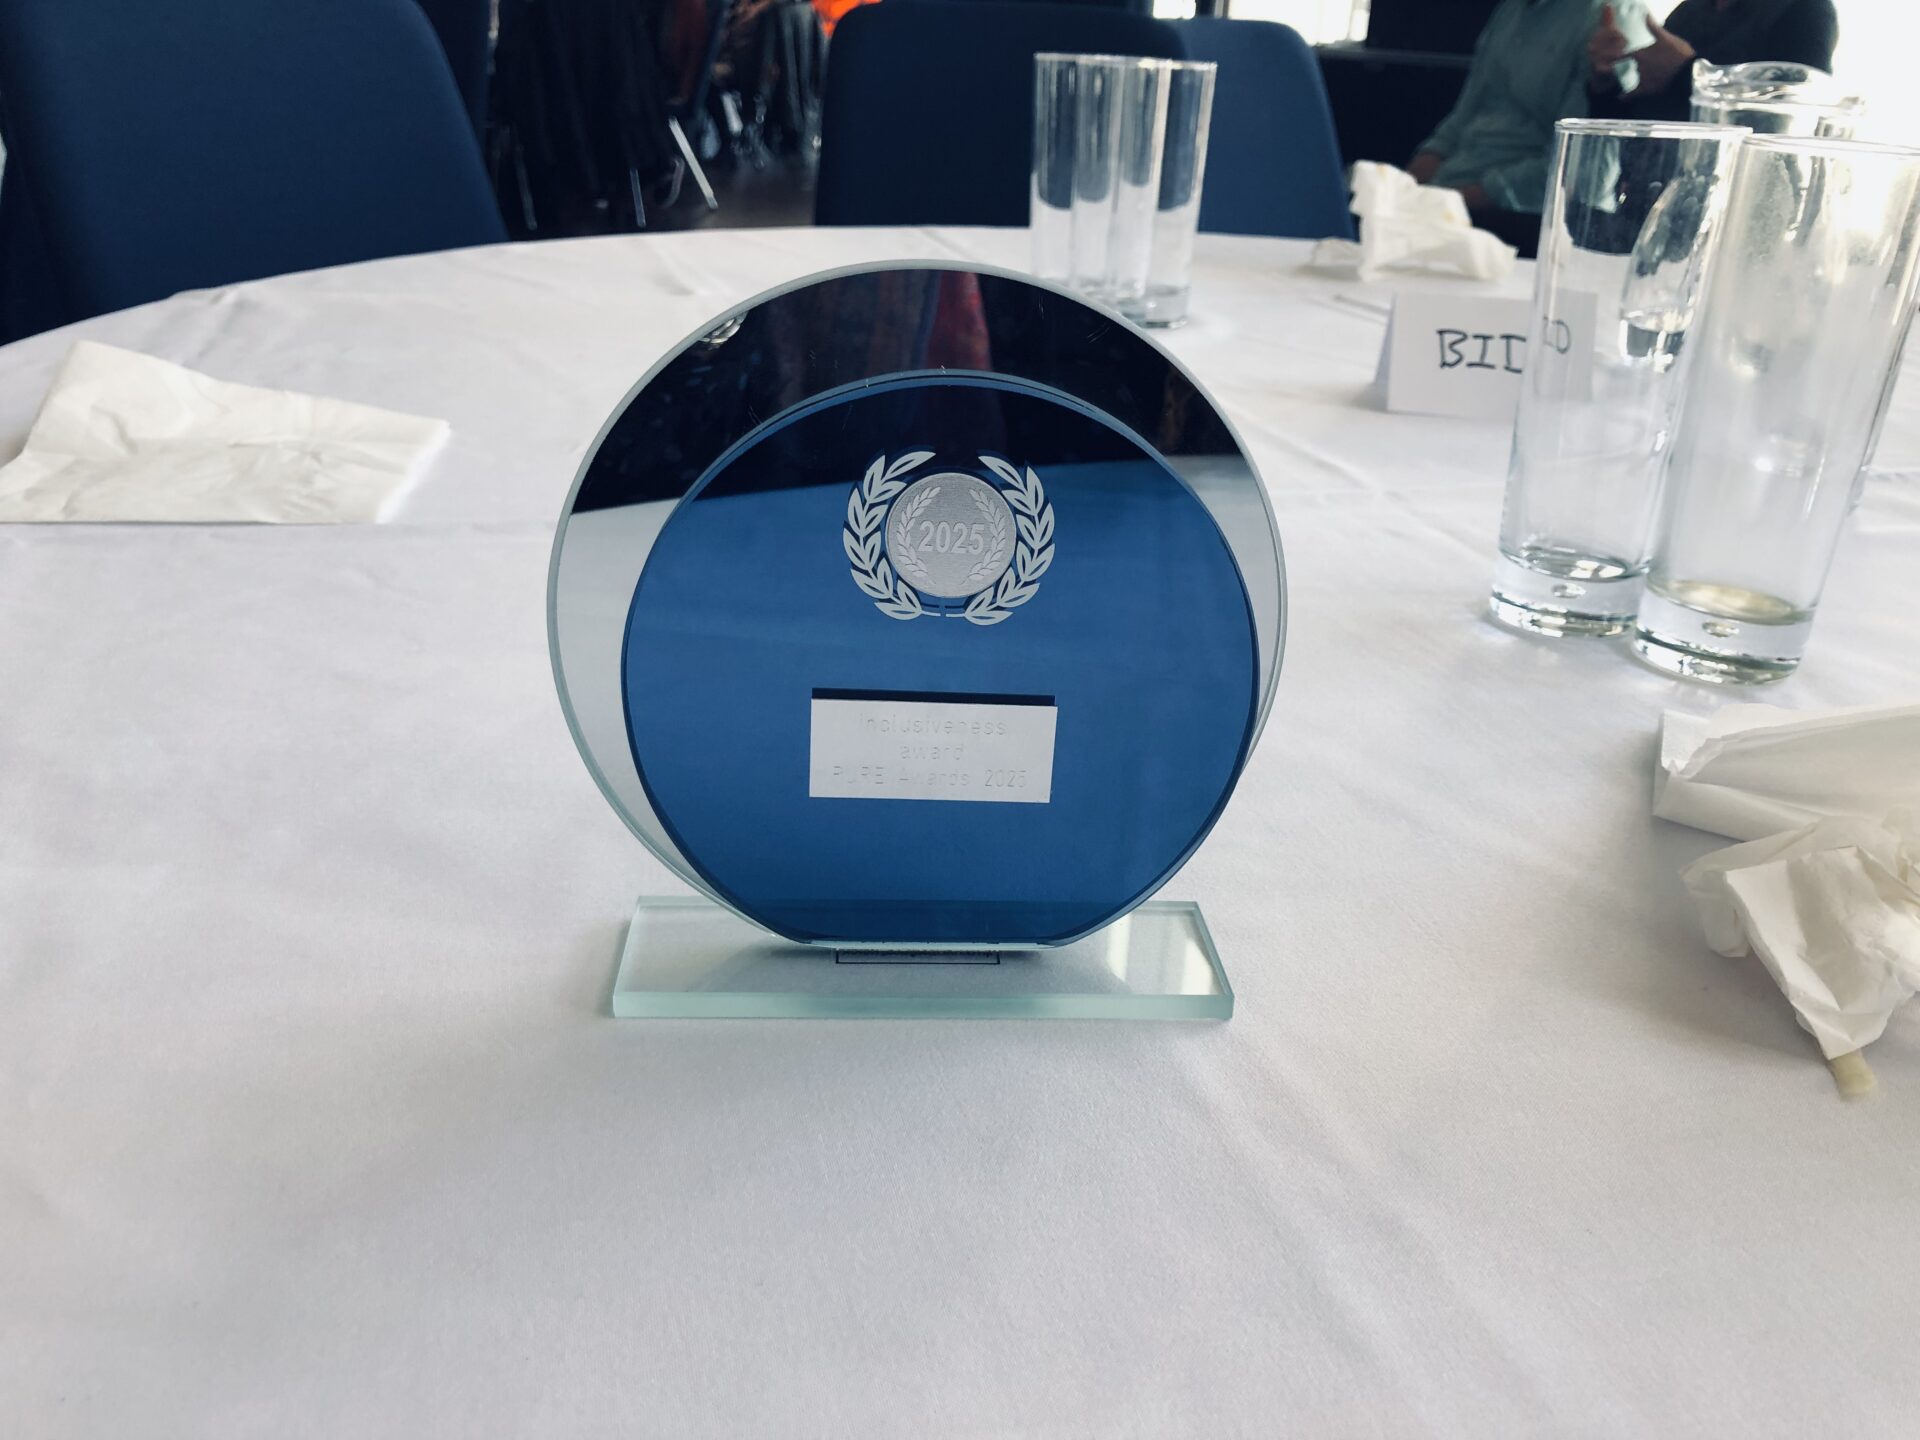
(313, 1122)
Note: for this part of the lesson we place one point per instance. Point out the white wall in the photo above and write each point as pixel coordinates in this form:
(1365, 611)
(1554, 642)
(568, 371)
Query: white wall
(1879, 56)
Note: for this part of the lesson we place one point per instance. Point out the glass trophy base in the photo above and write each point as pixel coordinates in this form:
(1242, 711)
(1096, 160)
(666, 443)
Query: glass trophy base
(690, 958)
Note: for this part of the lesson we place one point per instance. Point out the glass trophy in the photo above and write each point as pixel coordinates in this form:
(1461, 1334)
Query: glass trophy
(921, 620)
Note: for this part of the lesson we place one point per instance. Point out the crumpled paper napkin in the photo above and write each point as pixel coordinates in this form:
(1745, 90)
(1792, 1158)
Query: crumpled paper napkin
(127, 437)
(1826, 889)
(1832, 909)
(1755, 770)
(1405, 225)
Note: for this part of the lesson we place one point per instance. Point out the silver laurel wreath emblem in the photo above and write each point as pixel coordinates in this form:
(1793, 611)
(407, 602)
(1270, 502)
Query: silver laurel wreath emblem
(1033, 518)
(887, 560)
(862, 540)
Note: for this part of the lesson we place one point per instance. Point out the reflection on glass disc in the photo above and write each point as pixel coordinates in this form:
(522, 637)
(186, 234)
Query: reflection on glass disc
(916, 605)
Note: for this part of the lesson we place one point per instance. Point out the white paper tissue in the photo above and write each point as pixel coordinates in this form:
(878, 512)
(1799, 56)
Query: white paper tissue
(1405, 225)
(1755, 770)
(1832, 909)
(126, 437)
(1826, 891)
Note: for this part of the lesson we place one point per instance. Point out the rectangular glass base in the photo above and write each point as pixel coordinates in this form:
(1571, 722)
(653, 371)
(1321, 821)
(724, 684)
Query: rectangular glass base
(691, 958)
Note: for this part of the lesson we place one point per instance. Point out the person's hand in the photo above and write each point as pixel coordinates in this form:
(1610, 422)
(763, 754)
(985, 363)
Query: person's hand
(1425, 166)
(1606, 47)
(1665, 58)
(1476, 197)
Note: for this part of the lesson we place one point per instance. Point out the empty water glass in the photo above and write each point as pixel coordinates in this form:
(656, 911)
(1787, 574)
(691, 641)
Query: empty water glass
(1119, 152)
(1810, 299)
(1886, 404)
(1772, 97)
(1188, 100)
(1141, 97)
(1055, 88)
(1629, 238)
(1096, 163)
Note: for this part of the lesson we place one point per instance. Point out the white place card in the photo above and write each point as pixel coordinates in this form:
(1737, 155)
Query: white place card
(1464, 355)
(883, 747)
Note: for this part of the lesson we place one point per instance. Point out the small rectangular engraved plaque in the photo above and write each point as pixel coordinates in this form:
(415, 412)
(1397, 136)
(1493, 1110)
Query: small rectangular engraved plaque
(887, 747)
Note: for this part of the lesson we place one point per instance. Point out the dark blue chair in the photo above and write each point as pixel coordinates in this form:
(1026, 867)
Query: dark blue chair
(465, 28)
(928, 115)
(29, 300)
(1273, 160)
(166, 147)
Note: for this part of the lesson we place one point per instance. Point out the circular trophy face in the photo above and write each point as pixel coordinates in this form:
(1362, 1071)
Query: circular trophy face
(918, 606)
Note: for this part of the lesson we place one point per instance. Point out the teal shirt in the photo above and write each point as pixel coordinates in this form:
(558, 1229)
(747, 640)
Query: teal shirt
(1529, 70)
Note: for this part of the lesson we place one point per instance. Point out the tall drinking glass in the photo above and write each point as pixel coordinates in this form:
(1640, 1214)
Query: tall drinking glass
(1772, 97)
(1809, 301)
(1141, 95)
(1175, 217)
(1050, 210)
(1098, 82)
(1878, 128)
(1886, 404)
(1629, 239)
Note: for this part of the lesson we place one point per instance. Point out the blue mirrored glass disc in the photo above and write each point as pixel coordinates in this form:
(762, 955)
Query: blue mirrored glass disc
(1138, 634)
(937, 501)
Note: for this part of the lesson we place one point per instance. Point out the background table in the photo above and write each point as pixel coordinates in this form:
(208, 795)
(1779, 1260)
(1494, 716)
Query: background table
(312, 1120)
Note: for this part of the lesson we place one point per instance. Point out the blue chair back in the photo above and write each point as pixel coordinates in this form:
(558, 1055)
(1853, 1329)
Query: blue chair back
(928, 116)
(1273, 161)
(465, 28)
(173, 146)
(29, 299)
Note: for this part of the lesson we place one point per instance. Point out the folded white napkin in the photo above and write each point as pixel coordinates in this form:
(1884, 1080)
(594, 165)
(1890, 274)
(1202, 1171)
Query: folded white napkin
(1405, 225)
(1833, 911)
(126, 437)
(1756, 770)
(1826, 891)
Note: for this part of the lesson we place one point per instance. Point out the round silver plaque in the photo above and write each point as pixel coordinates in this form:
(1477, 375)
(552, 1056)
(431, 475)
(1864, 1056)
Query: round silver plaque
(950, 535)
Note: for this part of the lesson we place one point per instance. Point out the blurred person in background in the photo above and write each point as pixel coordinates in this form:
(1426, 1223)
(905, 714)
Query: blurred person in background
(1727, 32)
(1530, 69)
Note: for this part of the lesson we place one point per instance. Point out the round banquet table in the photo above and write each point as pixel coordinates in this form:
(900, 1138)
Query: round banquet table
(313, 1120)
